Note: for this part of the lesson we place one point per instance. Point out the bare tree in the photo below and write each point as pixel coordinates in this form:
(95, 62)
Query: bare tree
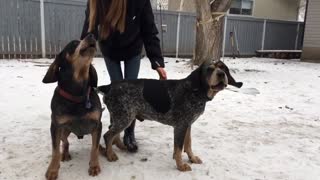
(209, 29)
(302, 10)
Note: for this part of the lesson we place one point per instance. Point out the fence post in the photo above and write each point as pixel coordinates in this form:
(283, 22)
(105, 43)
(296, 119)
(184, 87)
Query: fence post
(297, 37)
(263, 34)
(178, 28)
(43, 36)
(224, 35)
(161, 30)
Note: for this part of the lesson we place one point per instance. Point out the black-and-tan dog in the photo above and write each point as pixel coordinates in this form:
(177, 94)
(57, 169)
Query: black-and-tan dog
(75, 106)
(177, 103)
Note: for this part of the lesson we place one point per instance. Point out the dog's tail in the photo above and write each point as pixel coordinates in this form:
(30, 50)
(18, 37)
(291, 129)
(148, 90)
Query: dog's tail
(103, 89)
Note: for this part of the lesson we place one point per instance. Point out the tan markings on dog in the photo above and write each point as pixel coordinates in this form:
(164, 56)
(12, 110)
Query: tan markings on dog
(117, 141)
(211, 93)
(187, 142)
(110, 154)
(80, 63)
(94, 168)
(212, 80)
(53, 169)
(188, 148)
(94, 115)
(81, 66)
(180, 165)
(65, 147)
(64, 119)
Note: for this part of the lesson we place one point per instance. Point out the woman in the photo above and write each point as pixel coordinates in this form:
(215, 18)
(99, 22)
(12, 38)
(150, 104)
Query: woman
(122, 28)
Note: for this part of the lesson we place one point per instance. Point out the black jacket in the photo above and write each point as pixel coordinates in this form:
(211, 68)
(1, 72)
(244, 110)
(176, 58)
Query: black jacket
(140, 30)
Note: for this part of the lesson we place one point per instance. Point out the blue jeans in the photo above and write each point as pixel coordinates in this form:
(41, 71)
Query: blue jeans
(131, 71)
(131, 68)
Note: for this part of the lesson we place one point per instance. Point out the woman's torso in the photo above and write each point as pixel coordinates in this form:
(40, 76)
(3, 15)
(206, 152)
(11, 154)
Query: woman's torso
(122, 46)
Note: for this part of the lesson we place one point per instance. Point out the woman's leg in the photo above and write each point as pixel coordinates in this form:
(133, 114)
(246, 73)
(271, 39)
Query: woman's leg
(132, 67)
(114, 69)
(131, 71)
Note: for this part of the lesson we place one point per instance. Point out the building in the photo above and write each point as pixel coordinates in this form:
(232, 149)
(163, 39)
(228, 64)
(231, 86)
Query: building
(266, 9)
(311, 43)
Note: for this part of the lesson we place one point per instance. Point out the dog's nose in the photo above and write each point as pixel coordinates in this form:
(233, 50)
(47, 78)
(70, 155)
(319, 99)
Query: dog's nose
(90, 35)
(220, 74)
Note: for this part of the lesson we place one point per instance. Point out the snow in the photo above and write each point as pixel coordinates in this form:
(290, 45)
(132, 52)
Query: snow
(269, 129)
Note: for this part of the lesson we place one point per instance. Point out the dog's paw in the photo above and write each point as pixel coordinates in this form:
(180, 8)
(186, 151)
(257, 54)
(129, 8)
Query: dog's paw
(51, 175)
(112, 157)
(130, 143)
(94, 170)
(65, 157)
(184, 167)
(196, 160)
(132, 147)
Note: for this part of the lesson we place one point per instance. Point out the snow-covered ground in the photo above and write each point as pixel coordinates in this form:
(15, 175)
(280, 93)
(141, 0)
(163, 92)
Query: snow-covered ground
(269, 130)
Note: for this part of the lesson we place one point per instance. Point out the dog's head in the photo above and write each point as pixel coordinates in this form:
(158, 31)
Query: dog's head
(73, 61)
(213, 78)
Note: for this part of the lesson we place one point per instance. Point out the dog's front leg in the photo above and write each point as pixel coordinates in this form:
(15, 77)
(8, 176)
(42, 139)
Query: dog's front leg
(65, 151)
(94, 168)
(188, 149)
(179, 135)
(108, 138)
(53, 169)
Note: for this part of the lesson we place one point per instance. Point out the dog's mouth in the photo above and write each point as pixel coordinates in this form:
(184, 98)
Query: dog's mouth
(88, 47)
(219, 87)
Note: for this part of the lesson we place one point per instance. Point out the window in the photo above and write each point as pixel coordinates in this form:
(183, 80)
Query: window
(242, 7)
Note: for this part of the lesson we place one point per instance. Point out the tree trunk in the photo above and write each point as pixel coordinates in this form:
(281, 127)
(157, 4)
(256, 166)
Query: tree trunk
(209, 30)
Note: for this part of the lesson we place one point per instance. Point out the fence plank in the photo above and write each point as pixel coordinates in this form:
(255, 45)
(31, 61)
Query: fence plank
(20, 31)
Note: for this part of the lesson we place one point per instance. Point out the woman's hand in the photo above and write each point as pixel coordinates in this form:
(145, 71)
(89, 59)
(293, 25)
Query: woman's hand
(162, 73)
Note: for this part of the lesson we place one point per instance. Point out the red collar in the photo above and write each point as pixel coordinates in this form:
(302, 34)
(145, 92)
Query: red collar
(75, 99)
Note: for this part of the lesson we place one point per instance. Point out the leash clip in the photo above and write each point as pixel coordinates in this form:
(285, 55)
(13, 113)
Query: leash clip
(88, 103)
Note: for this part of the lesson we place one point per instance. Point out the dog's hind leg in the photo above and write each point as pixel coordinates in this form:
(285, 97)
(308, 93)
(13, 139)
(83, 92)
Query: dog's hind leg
(53, 169)
(94, 168)
(65, 151)
(179, 135)
(188, 149)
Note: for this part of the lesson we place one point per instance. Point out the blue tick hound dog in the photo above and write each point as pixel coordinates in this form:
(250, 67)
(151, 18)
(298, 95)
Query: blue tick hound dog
(177, 103)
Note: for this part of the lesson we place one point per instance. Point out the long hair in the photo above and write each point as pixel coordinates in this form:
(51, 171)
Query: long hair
(114, 19)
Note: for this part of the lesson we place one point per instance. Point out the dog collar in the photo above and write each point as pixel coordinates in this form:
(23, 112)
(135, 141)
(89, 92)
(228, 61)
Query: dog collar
(76, 99)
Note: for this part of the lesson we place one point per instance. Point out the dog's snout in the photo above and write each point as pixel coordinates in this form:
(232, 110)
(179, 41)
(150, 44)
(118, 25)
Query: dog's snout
(220, 74)
(90, 36)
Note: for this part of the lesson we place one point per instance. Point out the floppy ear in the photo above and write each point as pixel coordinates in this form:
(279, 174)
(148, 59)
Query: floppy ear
(231, 80)
(52, 73)
(93, 76)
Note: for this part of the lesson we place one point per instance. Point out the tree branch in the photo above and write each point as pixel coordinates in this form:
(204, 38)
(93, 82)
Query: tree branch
(220, 5)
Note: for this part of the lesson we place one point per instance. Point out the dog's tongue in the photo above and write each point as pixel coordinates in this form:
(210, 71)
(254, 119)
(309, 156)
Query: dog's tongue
(236, 84)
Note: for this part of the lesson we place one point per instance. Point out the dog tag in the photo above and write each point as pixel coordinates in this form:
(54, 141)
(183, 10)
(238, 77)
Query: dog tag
(88, 104)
